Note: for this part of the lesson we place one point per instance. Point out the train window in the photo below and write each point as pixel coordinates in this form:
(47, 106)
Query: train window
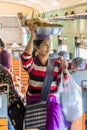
(77, 52)
(62, 43)
(15, 54)
(81, 47)
(83, 53)
(62, 48)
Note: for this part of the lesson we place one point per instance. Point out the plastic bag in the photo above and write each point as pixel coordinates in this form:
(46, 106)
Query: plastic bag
(71, 98)
(55, 117)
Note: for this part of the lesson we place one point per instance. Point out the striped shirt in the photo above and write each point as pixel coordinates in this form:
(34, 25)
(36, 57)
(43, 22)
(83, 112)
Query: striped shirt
(37, 73)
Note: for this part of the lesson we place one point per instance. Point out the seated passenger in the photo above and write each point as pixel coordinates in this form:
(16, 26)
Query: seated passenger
(6, 78)
(78, 63)
(64, 54)
(4, 56)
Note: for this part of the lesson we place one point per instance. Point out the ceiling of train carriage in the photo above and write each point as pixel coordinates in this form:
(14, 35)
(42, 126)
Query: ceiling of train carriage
(46, 5)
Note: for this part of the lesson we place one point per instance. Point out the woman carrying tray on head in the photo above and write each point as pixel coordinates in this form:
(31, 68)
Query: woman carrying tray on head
(36, 68)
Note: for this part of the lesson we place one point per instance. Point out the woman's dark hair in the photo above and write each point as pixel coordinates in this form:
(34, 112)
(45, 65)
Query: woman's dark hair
(79, 62)
(64, 54)
(36, 43)
(34, 52)
(2, 45)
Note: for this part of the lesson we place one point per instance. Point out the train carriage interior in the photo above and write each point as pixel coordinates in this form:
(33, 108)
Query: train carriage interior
(69, 36)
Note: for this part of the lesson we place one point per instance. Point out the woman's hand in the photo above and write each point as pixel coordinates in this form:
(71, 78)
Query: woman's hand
(29, 46)
(32, 29)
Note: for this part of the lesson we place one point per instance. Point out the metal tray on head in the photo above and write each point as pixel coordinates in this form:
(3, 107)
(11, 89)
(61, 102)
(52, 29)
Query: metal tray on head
(49, 30)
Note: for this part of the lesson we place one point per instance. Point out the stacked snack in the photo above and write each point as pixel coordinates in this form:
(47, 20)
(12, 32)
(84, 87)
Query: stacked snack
(40, 22)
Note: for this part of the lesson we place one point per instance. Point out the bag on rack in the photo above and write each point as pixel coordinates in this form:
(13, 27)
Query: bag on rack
(71, 98)
(16, 114)
(35, 113)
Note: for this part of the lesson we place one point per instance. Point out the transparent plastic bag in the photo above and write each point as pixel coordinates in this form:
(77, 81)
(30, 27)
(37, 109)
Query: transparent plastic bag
(71, 98)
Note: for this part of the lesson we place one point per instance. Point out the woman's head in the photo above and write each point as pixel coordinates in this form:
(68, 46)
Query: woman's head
(2, 45)
(63, 54)
(78, 63)
(42, 47)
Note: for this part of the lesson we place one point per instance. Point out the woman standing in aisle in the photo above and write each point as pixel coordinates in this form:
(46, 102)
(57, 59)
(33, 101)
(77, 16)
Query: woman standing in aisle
(36, 68)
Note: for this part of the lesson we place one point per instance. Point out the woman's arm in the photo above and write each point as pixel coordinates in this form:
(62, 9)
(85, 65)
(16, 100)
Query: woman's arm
(63, 67)
(29, 46)
(26, 57)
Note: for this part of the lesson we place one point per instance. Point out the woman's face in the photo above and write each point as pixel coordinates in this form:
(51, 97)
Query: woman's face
(44, 48)
(74, 66)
